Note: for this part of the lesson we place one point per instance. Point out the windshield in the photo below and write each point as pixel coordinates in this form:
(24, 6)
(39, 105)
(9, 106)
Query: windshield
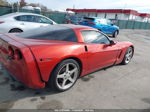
(86, 19)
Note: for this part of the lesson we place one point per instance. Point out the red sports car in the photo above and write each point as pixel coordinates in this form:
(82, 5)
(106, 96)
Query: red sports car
(58, 55)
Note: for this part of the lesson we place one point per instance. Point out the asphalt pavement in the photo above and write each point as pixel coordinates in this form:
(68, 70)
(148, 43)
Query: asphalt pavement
(117, 87)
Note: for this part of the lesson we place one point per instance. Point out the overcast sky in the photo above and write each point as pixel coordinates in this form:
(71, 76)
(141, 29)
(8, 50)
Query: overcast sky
(139, 5)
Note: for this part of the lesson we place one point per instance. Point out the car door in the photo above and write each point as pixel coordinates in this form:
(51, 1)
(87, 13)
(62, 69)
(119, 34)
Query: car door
(100, 52)
(27, 22)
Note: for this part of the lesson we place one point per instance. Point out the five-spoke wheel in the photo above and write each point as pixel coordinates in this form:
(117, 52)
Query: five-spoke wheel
(128, 56)
(65, 75)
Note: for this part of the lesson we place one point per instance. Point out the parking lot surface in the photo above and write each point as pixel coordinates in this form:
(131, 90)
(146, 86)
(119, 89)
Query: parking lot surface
(117, 87)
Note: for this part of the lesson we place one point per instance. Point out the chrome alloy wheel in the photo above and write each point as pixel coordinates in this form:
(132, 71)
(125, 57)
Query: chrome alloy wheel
(129, 55)
(67, 76)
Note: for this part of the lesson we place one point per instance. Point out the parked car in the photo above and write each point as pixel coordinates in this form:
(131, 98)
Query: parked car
(20, 22)
(57, 55)
(74, 20)
(102, 24)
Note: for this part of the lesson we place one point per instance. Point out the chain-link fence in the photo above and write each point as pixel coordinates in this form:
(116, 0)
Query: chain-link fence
(5, 10)
(60, 17)
(128, 24)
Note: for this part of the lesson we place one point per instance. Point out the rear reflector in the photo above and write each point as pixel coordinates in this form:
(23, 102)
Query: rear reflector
(14, 54)
(10, 51)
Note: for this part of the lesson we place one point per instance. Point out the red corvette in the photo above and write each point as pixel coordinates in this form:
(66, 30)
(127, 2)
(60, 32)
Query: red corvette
(57, 55)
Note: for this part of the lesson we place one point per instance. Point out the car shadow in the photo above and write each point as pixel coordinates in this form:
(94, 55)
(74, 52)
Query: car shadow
(11, 91)
(89, 76)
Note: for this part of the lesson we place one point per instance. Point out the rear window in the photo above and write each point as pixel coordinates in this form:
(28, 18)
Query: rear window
(51, 32)
(86, 19)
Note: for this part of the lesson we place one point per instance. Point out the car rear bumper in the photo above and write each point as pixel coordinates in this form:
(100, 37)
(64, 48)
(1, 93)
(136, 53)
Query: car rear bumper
(30, 83)
(24, 69)
(3, 29)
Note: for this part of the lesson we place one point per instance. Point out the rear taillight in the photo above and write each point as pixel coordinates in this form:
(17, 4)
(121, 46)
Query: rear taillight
(91, 23)
(18, 55)
(1, 22)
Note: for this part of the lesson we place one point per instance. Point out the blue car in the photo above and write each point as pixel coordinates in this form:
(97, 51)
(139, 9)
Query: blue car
(101, 24)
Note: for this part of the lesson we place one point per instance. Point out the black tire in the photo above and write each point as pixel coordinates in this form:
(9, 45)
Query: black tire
(124, 61)
(53, 82)
(115, 34)
(15, 30)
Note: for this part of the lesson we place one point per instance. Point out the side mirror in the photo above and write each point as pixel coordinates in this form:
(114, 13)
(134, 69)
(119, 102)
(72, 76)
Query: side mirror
(112, 42)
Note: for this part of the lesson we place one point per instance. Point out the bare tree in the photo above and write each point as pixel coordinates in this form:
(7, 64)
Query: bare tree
(4, 3)
(22, 3)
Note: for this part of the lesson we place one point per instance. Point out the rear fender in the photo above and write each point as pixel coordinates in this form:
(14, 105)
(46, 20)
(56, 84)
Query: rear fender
(50, 56)
(25, 68)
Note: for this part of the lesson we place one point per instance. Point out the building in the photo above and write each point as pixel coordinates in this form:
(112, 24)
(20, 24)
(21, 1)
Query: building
(113, 14)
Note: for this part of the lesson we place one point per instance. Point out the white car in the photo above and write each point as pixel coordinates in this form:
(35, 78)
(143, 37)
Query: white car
(20, 22)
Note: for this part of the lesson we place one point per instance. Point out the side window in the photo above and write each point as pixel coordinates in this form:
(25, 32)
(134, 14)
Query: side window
(32, 18)
(21, 18)
(35, 19)
(109, 22)
(44, 20)
(94, 37)
(27, 18)
(103, 21)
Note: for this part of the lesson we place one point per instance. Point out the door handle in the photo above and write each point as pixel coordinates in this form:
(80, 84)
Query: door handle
(86, 49)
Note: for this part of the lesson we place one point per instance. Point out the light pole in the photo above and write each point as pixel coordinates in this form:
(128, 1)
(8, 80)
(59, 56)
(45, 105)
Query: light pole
(18, 5)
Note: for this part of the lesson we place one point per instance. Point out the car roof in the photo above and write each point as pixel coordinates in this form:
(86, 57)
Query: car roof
(56, 27)
(94, 18)
(63, 27)
(18, 13)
